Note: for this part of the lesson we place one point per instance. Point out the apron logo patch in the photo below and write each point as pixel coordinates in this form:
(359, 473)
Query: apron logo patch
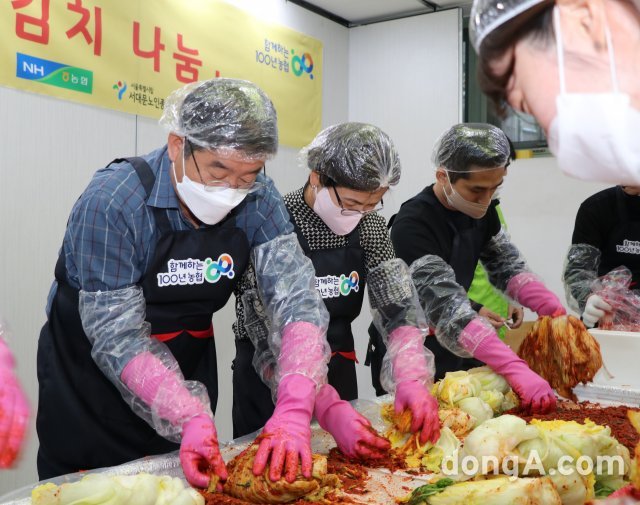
(194, 271)
(216, 269)
(629, 247)
(331, 286)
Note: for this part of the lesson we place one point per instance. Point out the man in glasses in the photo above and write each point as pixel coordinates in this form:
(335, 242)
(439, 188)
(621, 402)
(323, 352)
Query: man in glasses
(442, 233)
(153, 247)
(352, 166)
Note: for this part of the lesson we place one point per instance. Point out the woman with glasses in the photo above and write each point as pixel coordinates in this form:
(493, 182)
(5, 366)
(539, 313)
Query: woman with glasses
(335, 218)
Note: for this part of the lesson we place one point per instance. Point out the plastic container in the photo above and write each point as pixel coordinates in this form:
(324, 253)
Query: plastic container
(618, 381)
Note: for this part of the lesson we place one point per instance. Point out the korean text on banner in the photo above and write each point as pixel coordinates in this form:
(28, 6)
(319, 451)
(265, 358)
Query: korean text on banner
(128, 55)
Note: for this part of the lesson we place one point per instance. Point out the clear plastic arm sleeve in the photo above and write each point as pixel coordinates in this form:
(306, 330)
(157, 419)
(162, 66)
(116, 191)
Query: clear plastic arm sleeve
(580, 273)
(286, 284)
(444, 301)
(114, 322)
(502, 260)
(257, 326)
(399, 318)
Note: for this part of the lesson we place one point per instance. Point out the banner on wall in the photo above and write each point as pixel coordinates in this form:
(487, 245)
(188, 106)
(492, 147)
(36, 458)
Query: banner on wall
(128, 55)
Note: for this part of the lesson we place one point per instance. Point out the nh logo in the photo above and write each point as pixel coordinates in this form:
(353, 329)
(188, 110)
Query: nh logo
(32, 68)
(53, 73)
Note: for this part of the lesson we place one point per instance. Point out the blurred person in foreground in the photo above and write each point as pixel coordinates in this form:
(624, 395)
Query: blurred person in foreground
(14, 408)
(573, 65)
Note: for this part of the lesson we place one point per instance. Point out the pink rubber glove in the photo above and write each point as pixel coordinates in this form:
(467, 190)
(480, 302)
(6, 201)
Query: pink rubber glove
(304, 351)
(14, 409)
(352, 431)
(411, 371)
(286, 437)
(482, 341)
(200, 453)
(150, 379)
(413, 395)
(530, 292)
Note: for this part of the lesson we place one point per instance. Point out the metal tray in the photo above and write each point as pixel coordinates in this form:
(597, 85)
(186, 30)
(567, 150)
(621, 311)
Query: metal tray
(384, 487)
(608, 395)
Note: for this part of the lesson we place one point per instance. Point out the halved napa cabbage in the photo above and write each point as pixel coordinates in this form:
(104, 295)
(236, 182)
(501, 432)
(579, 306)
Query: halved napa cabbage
(97, 489)
(500, 490)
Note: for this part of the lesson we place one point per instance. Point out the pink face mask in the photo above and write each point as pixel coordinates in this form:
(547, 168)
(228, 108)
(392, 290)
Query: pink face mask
(331, 214)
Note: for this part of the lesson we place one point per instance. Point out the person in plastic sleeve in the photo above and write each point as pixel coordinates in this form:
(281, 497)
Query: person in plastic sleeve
(573, 65)
(485, 298)
(153, 247)
(606, 235)
(14, 407)
(334, 215)
(443, 232)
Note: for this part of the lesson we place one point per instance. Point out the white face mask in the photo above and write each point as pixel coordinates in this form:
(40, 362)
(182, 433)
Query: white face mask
(208, 206)
(458, 202)
(331, 213)
(595, 135)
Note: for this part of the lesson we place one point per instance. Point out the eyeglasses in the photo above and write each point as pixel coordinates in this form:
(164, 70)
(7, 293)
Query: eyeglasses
(220, 184)
(353, 212)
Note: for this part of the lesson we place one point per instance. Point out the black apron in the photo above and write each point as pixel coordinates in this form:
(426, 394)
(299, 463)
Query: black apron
(626, 229)
(340, 279)
(468, 240)
(83, 421)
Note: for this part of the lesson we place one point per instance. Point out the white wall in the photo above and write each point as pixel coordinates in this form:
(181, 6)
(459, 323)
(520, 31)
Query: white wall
(404, 76)
(540, 206)
(49, 151)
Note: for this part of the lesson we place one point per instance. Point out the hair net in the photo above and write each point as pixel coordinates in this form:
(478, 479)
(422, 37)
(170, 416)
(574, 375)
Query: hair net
(224, 114)
(489, 15)
(467, 145)
(357, 156)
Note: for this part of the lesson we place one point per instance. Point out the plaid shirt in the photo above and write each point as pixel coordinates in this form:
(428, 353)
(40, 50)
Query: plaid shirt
(111, 235)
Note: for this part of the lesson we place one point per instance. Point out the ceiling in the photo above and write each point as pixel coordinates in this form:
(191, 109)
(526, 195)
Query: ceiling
(360, 12)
